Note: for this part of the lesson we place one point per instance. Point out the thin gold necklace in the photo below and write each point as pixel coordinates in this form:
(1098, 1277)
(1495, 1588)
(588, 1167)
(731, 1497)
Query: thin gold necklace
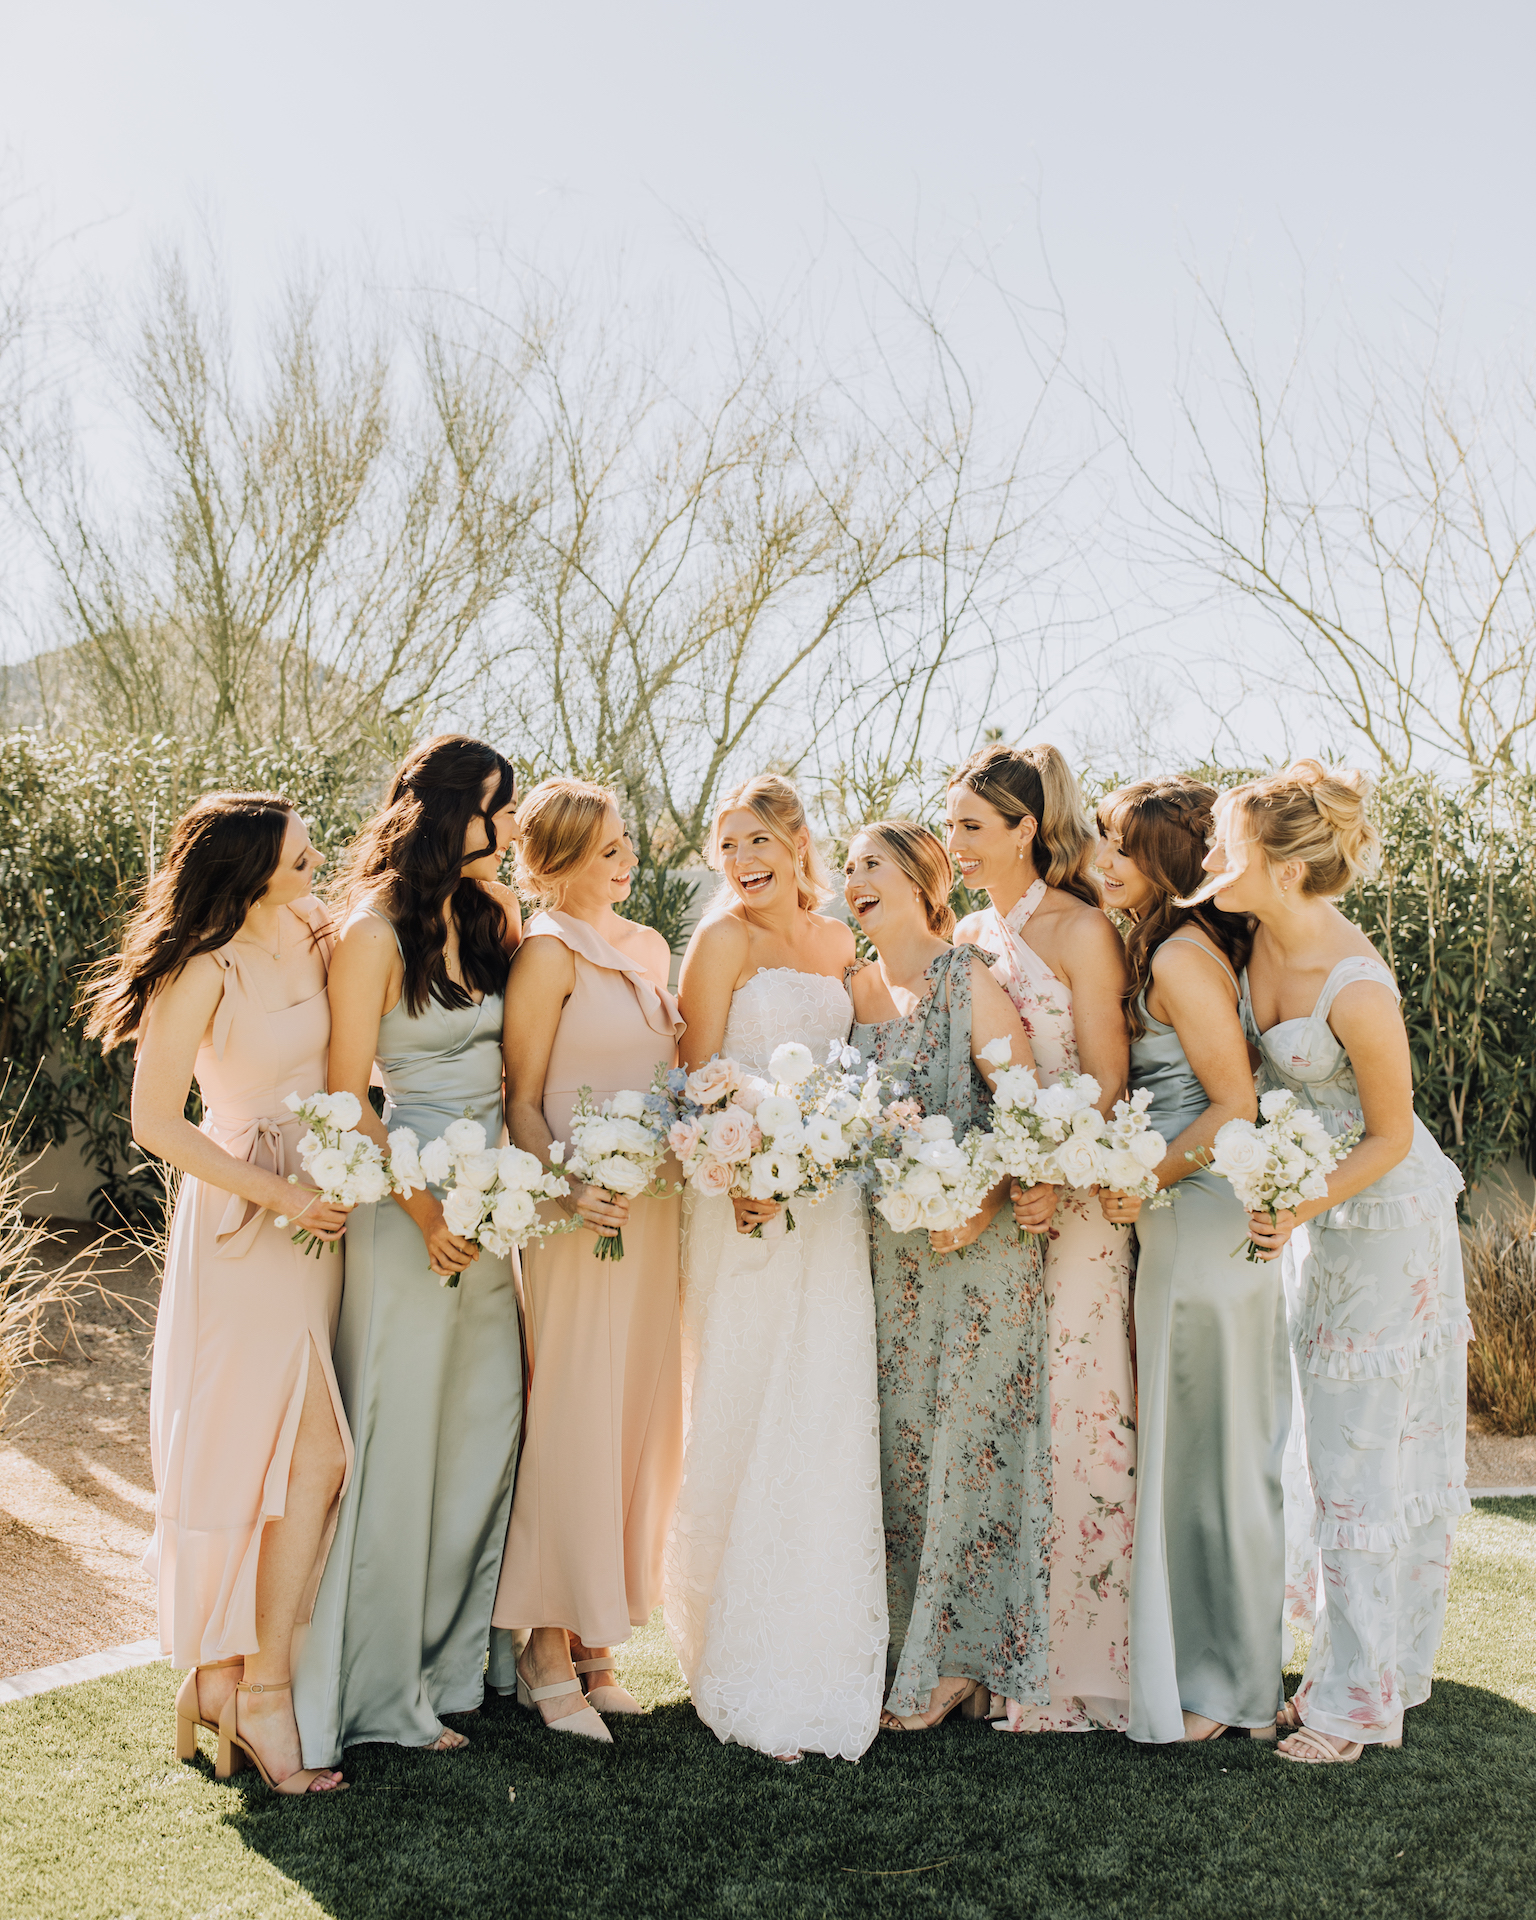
(261, 945)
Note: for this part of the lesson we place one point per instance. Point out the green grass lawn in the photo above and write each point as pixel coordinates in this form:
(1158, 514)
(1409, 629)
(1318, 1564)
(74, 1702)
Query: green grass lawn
(96, 1819)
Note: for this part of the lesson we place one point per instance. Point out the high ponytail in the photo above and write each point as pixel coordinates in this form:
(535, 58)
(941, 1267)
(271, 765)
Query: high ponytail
(1037, 781)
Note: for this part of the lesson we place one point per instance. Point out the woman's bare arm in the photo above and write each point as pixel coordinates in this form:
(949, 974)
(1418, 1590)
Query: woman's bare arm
(1201, 1007)
(1095, 960)
(714, 962)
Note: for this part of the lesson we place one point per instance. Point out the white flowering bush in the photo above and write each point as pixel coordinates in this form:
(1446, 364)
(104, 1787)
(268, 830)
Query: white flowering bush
(620, 1147)
(346, 1166)
(1284, 1160)
(490, 1194)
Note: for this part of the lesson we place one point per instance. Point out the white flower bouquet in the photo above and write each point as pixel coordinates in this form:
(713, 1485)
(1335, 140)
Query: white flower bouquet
(346, 1166)
(1279, 1163)
(935, 1182)
(1132, 1149)
(490, 1195)
(619, 1147)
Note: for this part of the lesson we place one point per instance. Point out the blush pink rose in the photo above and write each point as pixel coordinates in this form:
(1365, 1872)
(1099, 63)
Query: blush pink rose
(752, 1092)
(683, 1137)
(730, 1134)
(712, 1177)
(712, 1082)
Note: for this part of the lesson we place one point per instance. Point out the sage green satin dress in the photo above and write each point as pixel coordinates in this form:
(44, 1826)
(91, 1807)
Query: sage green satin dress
(432, 1380)
(1214, 1403)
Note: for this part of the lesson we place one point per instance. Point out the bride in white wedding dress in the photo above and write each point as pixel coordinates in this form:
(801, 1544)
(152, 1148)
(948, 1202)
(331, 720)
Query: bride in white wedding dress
(775, 1567)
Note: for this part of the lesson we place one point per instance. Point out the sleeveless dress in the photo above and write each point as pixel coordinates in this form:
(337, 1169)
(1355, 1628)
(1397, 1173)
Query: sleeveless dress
(1208, 1573)
(1092, 1399)
(433, 1382)
(243, 1316)
(964, 1436)
(604, 1446)
(1379, 1325)
(775, 1572)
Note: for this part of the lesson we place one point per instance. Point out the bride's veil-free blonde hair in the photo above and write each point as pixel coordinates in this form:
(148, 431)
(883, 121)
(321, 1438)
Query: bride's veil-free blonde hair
(771, 799)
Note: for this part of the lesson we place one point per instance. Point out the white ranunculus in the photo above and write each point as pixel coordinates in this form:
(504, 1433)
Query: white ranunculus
(997, 1053)
(1087, 1120)
(465, 1136)
(1078, 1159)
(405, 1161)
(943, 1155)
(936, 1126)
(634, 1138)
(626, 1104)
(370, 1182)
(901, 1210)
(1122, 1171)
(1015, 1086)
(791, 1063)
(923, 1183)
(1057, 1103)
(514, 1168)
(1148, 1146)
(346, 1110)
(619, 1176)
(328, 1168)
(437, 1162)
(599, 1138)
(1277, 1103)
(778, 1115)
(514, 1209)
(477, 1170)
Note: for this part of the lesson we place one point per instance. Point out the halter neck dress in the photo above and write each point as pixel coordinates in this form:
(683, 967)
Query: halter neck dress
(433, 1382)
(964, 1443)
(1092, 1400)
(243, 1316)
(1377, 1299)
(1208, 1570)
(604, 1451)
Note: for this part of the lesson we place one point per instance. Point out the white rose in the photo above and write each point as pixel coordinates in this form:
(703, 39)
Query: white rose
(1057, 1103)
(461, 1211)
(1087, 1121)
(626, 1104)
(328, 1169)
(437, 1162)
(1148, 1146)
(1016, 1087)
(997, 1053)
(1122, 1171)
(346, 1110)
(618, 1175)
(936, 1126)
(465, 1136)
(1238, 1150)
(943, 1155)
(514, 1168)
(599, 1138)
(901, 1211)
(514, 1209)
(1277, 1103)
(791, 1063)
(634, 1138)
(778, 1115)
(1078, 1160)
(477, 1171)
(923, 1183)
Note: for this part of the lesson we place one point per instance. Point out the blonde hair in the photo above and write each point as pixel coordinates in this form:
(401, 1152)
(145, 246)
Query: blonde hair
(560, 821)
(1037, 781)
(1315, 814)
(922, 858)
(775, 805)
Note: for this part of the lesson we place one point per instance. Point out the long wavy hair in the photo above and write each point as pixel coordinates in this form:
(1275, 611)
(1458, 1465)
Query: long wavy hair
(1163, 826)
(407, 861)
(1038, 781)
(222, 852)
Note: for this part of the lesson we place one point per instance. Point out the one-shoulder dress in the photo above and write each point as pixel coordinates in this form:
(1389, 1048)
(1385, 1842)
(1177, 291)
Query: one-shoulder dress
(432, 1378)
(1379, 1323)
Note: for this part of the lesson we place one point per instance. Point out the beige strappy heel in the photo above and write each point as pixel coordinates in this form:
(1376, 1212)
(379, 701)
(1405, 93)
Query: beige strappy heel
(235, 1752)
(613, 1699)
(1313, 1749)
(971, 1705)
(189, 1712)
(588, 1722)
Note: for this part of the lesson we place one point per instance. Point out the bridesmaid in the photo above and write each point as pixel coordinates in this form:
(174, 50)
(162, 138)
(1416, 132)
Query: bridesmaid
(588, 1007)
(1017, 828)
(431, 1376)
(1376, 1279)
(965, 1457)
(222, 976)
(1208, 1570)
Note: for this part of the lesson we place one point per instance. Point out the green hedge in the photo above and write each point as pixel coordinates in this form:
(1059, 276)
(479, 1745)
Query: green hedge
(1454, 911)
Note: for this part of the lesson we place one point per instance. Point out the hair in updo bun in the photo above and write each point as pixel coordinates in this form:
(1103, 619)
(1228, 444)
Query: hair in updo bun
(921, 857)
(1315, 814)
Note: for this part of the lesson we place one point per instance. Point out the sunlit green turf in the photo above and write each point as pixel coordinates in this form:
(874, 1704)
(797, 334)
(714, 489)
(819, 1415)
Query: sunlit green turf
(96, 1819)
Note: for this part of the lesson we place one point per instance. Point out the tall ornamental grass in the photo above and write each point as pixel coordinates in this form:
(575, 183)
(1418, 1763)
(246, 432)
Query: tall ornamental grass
(1500, 1256)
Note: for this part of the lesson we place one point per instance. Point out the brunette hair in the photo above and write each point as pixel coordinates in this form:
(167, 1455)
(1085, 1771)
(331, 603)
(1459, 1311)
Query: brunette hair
(1315, 814)
(1163, 826)
(771, 799)
(407, 860)
(922, 858)
(1037, 781)
(222, 852)
(560, 822)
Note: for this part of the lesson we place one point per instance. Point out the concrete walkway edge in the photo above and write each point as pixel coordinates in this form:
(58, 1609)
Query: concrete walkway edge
(90, 1666)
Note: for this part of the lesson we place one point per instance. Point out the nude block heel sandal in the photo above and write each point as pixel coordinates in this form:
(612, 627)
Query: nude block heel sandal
(189, 1714)
(234, 1753)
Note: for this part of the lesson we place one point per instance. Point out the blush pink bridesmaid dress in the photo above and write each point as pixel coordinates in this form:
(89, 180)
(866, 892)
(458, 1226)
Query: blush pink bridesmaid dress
(243, 1317)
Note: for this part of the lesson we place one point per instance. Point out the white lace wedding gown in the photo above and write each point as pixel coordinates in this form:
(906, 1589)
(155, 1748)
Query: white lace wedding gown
(775, 1568)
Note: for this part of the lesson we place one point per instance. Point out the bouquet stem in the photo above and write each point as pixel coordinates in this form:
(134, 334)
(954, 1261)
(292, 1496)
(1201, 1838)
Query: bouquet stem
(610, 1246)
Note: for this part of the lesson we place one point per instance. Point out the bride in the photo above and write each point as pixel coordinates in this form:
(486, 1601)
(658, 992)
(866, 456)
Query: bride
(775, 1587)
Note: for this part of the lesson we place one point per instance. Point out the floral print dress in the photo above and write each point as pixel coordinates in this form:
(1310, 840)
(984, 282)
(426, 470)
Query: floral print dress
(1379, 1329)
(964, 1446)
(1092, 1400)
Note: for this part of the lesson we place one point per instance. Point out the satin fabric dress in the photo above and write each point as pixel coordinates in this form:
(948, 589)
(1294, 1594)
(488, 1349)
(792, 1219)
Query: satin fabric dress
(433, 1383)
(1379, 1325)
(964, 1442)
(243, 1317)
(1092, 1400)
(1208, 1567)
(604, 1449)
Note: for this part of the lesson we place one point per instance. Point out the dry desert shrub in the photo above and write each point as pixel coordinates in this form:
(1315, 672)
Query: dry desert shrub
(1501, 1296)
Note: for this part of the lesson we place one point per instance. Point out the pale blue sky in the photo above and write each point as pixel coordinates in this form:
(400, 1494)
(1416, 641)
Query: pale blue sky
(1380, 148)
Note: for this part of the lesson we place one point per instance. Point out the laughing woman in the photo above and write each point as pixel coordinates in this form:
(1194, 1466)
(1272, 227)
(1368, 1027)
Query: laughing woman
(222, 975)
(1208, 1567)
(431, 1375)
(965, 1449)
(1017, 827)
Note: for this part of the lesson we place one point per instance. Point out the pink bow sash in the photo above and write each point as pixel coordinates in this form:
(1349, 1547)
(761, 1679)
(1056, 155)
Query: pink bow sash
(260, 1144)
